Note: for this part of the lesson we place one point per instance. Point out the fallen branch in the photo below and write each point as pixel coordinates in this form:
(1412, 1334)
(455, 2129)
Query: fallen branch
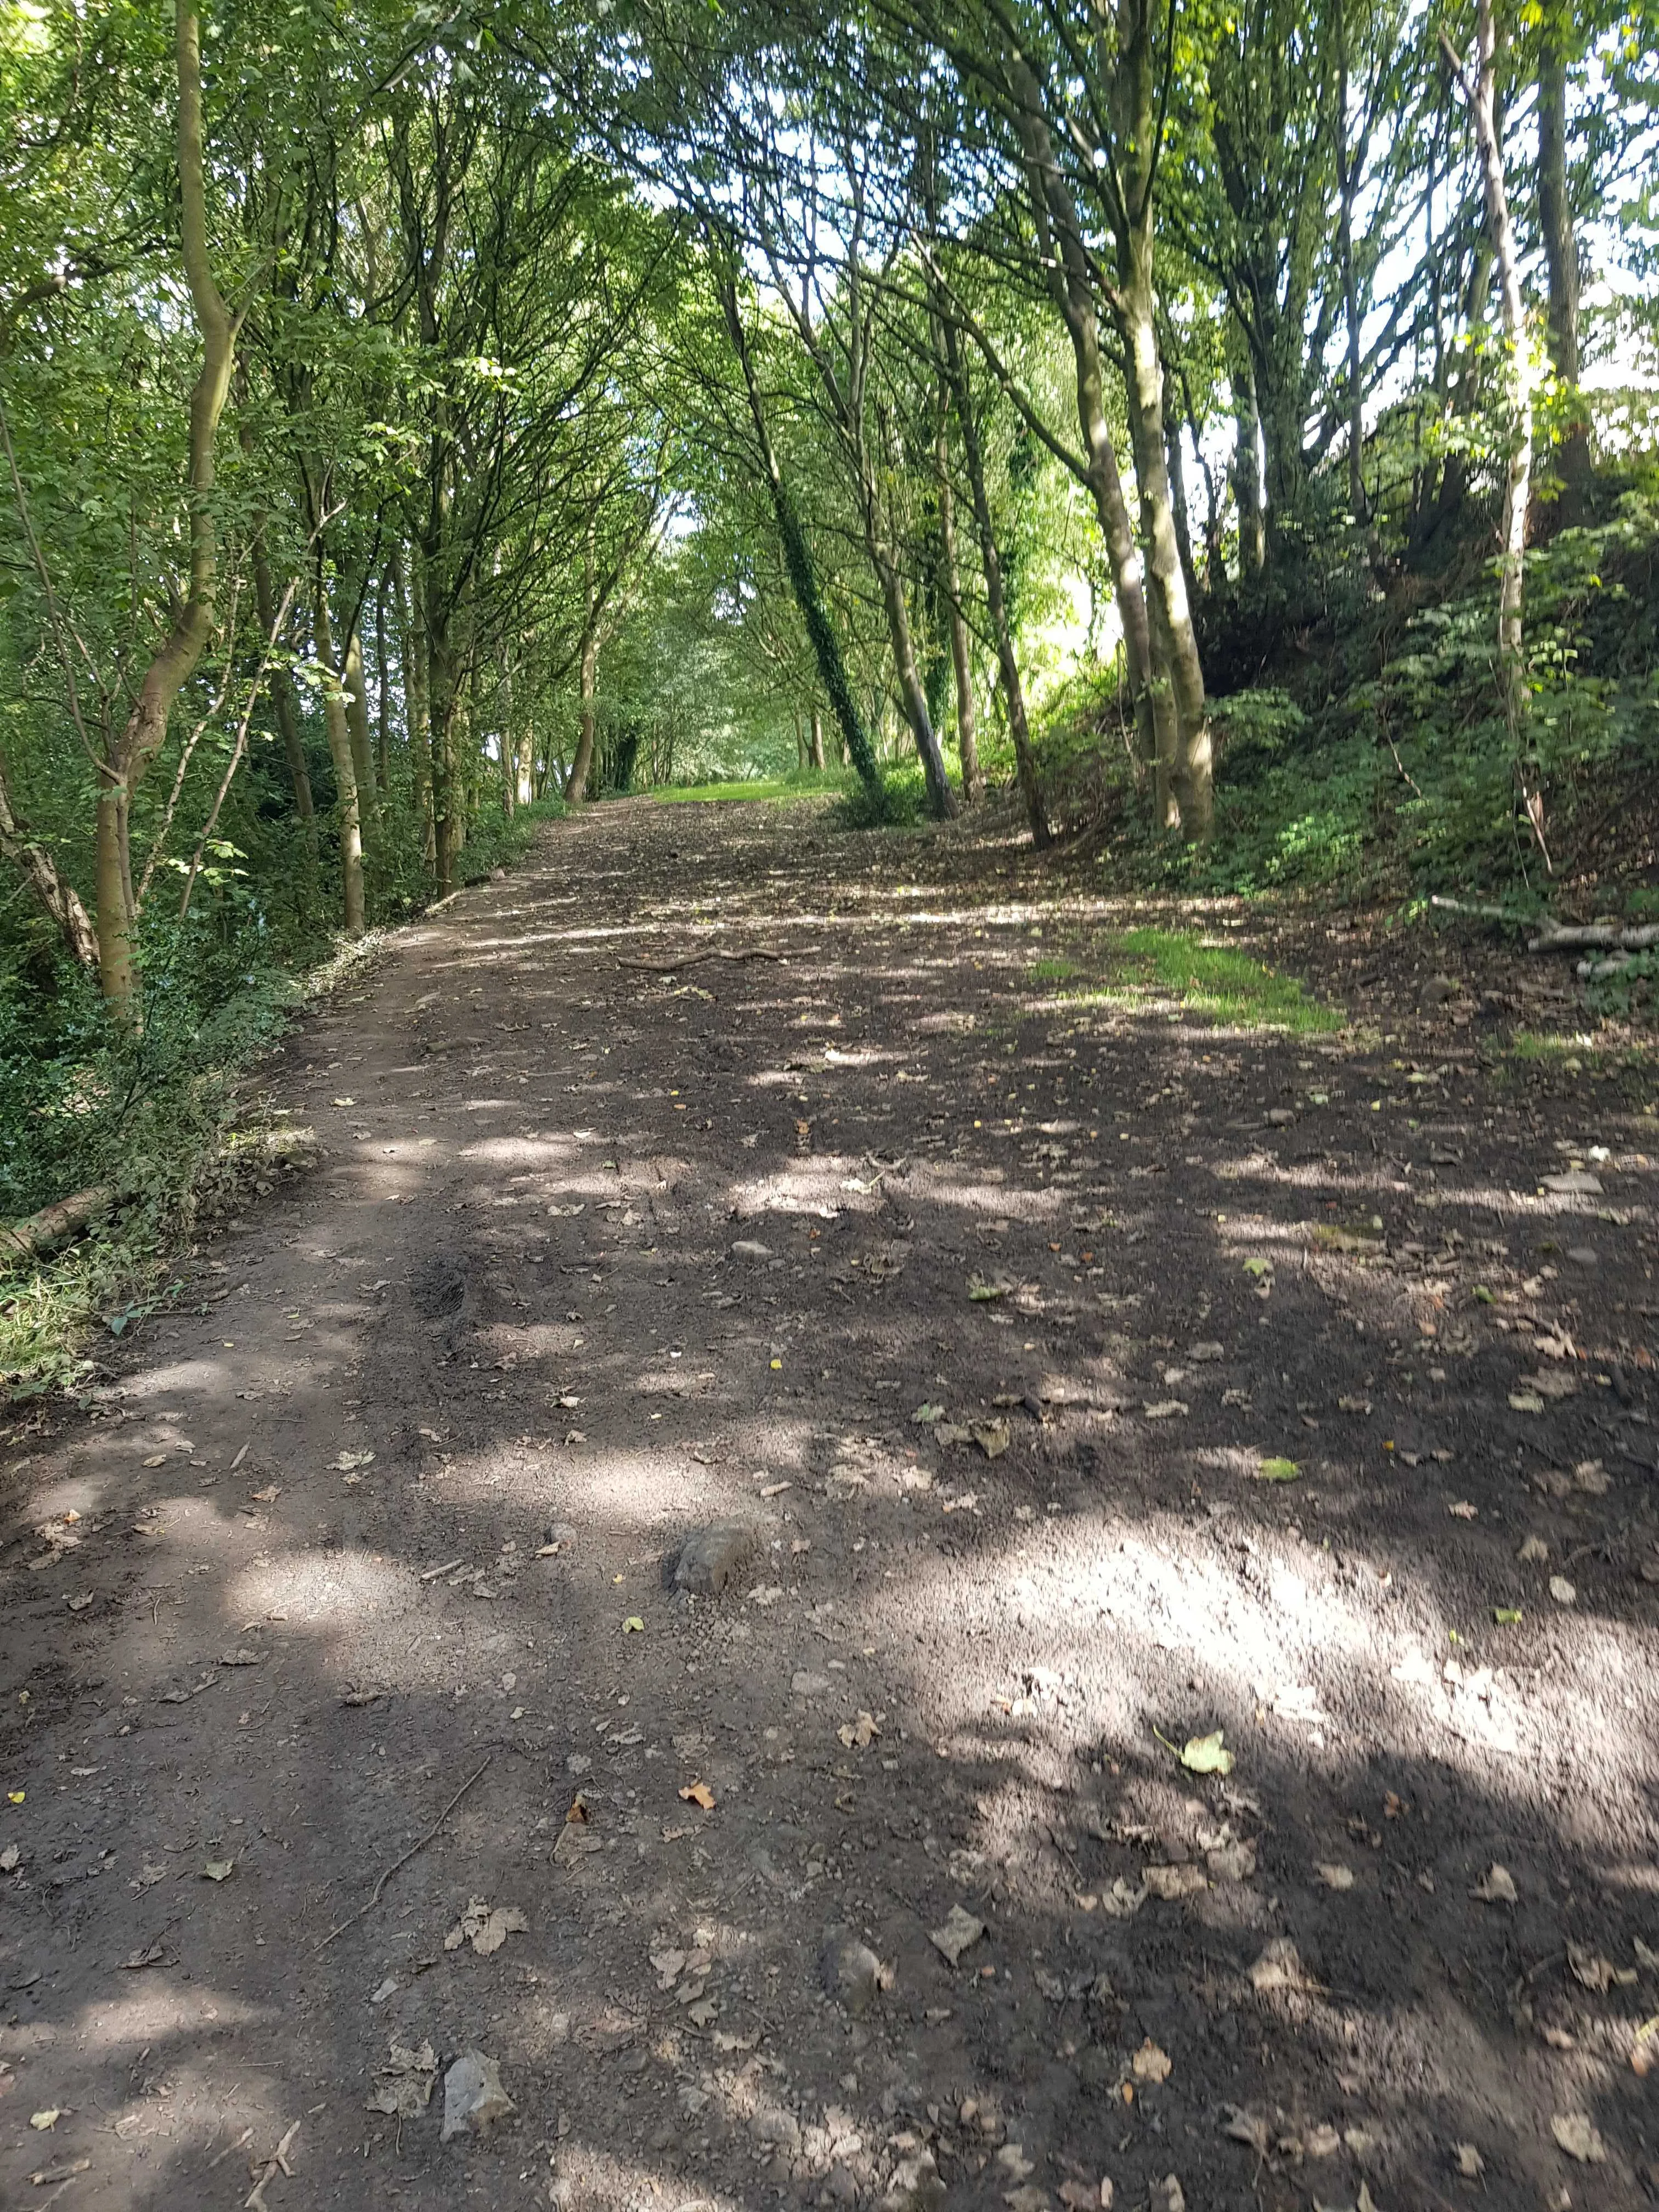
(419, 1845)
(1482, 912)
(1552, 935)
(24, 1240)
(691, 960)
(1605, 936)
(275, 2164)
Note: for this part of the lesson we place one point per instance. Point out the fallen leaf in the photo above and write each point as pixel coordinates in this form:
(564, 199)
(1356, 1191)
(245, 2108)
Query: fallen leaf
(1526, 1402)
(928, 1413)
(959, 1932)
(1463, 1511)
(1173, 1883)
(157, 1459)
(1335, 1876)
(1247, 2127)
(1150, 2063)
(268, 1495)
(699, 1793)
(855, 1734)
(218, 1869)
(1576, 2136)
(992, 1437)
(1534, 1549)
(1589, 1967)
(1206, 1754)
(48, 2119)
(1165, 1409)
(151, 1955)
(1562, 1590)
(1467, 2161)
(982, 1292)
(1278, 1470)
(1497, 1886)
(1507, 1616)
(9, 1859)
(1279, 1967)
(633, 1626)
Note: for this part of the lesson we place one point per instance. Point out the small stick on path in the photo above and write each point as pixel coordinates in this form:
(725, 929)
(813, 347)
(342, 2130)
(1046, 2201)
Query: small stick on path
(420, 1844)
(691, 960)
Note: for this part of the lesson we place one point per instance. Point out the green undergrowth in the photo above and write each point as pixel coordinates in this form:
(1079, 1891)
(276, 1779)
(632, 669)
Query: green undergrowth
(1370, 759)
(1215, 982)
(158, 1121)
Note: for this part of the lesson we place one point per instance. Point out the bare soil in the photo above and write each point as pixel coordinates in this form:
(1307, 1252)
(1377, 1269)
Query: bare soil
(594, 1256)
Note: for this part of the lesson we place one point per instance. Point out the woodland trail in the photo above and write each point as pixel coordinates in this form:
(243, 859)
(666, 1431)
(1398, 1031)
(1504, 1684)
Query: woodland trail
(1093, 1375)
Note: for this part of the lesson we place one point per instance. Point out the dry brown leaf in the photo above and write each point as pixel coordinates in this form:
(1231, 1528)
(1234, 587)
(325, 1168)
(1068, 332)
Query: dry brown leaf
(699, 1793)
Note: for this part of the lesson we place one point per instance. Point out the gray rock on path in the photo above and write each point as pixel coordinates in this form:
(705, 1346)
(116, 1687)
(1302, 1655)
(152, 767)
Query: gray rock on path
(851, 1971)
(474, 2099)
(710, 1557)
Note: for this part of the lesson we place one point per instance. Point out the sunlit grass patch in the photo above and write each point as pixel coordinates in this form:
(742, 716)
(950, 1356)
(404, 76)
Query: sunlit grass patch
(1215, 980)
(1052, 971)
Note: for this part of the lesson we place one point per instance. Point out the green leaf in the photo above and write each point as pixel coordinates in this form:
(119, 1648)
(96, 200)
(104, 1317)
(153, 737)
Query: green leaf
(1200, 1754)
(633, 1626)
(1482, 1295)
(1258, 1268)
(983, 1293)
(928, 1413)
(1278, 1470)
(1507, 1616)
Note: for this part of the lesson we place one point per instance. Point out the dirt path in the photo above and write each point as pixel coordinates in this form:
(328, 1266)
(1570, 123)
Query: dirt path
(596, 1256)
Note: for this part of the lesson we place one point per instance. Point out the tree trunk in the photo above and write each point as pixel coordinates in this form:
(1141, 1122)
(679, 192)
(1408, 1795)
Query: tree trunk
(803, 580)
(1346, 183)
(1247, 469)
(417, 695)
(1072, 288)
(576, 789)
(345, 769)
(281, 691)
(1178, 497)
(817, 739)
(356, 710)
(941, 799)
(131, 755)
(382, 691)
(1561, 260)
(1014, 693)
(972, 778)
(1175, 645)
(1517, 475)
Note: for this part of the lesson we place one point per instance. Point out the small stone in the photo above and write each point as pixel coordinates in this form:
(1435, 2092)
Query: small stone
(750, 1248)
(474, 2099)
(1583, 1256)
(851, 1971)
(710, 1557)
(1280, 1117)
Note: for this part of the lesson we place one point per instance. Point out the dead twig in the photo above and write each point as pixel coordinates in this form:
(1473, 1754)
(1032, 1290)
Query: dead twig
(691, 960)
(275, 2164)
(419, 1845)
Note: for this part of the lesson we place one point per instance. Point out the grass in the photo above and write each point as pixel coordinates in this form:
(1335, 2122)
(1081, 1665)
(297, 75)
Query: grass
(1214, 980)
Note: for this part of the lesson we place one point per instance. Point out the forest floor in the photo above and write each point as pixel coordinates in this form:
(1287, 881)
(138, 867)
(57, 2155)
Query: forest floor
(1091, 1369)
